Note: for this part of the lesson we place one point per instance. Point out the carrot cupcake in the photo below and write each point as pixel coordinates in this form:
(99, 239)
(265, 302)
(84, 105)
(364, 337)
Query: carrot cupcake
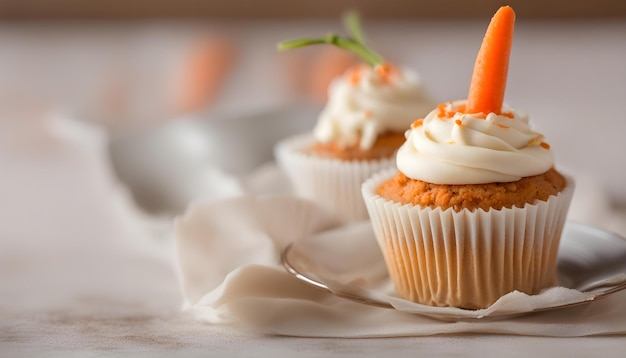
(358, 131)
(476, 208)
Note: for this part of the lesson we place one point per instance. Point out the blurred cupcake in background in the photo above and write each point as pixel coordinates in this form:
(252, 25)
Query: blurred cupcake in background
(358, 132)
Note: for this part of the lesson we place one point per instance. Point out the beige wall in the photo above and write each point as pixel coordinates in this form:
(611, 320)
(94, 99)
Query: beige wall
(134, 9)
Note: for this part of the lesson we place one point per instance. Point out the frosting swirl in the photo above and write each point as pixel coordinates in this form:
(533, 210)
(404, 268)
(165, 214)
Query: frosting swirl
(366, 102)
(451, 147)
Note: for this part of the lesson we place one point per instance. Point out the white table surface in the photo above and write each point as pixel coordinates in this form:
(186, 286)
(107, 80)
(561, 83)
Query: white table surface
(81, 274)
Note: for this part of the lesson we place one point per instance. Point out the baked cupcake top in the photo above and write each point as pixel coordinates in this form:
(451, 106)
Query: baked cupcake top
(366, 102)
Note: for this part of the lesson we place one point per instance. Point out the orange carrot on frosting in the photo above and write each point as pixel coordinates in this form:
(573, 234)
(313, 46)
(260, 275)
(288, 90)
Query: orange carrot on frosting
(486, 92)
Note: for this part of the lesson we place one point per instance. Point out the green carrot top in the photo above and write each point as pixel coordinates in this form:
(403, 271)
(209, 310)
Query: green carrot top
(355, 43)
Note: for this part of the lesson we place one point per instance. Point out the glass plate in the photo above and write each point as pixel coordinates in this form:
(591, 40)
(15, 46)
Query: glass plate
(590, 260)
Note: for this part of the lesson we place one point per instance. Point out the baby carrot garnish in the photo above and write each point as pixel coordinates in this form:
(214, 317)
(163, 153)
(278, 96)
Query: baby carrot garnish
(486, 92)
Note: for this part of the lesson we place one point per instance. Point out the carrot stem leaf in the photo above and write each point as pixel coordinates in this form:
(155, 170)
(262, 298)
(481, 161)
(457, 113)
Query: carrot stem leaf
(354, 44)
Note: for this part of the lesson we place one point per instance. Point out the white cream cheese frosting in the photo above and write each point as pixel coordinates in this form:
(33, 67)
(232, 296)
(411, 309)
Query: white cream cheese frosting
(366, 102)
(451, 147)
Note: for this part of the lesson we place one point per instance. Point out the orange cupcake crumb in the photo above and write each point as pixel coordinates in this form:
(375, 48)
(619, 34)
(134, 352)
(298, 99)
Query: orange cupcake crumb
(385, 146)
(405, 190)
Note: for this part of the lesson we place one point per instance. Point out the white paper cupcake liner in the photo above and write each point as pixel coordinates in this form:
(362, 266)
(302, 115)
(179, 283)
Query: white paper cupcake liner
(467, 259)
(333, 183)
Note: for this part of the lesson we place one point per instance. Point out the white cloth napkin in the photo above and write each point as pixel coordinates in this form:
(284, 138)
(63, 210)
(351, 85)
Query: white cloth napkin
(228, 256)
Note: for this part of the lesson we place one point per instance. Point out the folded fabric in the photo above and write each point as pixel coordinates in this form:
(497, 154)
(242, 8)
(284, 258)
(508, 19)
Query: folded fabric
(228, 256)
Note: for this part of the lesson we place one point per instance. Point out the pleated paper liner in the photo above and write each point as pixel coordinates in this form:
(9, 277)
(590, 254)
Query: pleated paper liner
(333, 183)
(467, 259)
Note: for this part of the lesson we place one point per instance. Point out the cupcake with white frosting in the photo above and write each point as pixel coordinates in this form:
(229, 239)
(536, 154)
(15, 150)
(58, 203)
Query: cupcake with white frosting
(475, 208)
(358, 131)
(367, 113)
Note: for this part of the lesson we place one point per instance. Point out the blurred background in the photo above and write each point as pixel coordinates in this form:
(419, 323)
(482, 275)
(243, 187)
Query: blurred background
(275, 9)
(134, 65)
(172, 101)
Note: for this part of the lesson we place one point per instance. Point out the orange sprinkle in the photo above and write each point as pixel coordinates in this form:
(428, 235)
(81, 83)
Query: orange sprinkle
(355, 78)
(355, 75)
(458, 123)
(417, 123)
(508, 114)
(385, 71)
(545, 145)
(480, 115)
(502, 126)
(367, 113)
(442, 112)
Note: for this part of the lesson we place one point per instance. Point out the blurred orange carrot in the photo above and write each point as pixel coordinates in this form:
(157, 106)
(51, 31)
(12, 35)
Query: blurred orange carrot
(329, 64)
(486, 92)
(207, 64)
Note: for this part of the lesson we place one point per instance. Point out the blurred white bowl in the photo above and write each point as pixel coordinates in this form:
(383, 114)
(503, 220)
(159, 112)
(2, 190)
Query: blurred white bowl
(168, 166)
